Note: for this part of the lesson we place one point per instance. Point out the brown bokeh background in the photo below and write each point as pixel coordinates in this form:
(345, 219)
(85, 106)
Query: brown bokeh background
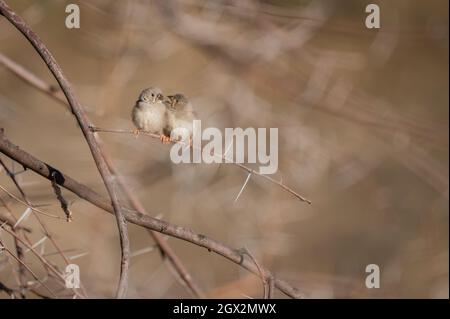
(363, 132)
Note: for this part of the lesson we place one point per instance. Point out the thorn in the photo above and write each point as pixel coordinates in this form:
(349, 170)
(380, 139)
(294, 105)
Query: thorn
(78, 256)
(142, 251)
(242, 188)
(24, 216)
(40, 241)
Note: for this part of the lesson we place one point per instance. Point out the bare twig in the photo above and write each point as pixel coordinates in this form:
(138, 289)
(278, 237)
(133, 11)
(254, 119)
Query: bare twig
(29, 77)
(25, 204)
(84, 124)
(45, 170)
(223, 157)
(262, 275)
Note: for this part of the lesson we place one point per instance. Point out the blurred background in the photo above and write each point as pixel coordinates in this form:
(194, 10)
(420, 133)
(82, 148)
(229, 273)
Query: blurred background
(363, 133)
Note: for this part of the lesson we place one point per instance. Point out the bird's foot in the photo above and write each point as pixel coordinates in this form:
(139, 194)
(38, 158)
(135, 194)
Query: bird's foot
(164, 139)
(136, 133)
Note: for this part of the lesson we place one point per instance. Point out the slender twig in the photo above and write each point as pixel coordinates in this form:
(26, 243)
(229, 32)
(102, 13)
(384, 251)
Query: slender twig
(29, 77)
(262, 275)
(27, 160)
(222, 157)
(84, 123)
(25, 204)
(270, 287)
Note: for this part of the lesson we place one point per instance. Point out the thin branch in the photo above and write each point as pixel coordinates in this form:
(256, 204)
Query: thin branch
(25, 204)
(262, 275)
(222, 157)
(29, 77)
(84, 124)
(144, 220)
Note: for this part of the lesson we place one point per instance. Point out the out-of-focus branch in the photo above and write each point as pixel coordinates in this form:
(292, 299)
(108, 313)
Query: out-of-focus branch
(163, 246)
(84, 124)
(47, 171)
(29, 77)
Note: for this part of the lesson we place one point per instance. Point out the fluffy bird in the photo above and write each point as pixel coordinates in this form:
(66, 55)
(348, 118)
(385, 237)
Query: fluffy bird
(149, 112)
(180, 117)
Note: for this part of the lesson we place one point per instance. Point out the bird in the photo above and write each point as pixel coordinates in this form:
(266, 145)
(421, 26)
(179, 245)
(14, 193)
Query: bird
(149, 113)
(180, 117)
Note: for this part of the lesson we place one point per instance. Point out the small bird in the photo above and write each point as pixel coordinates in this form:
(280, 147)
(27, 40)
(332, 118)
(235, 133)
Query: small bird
(149, 112)
(180, 117)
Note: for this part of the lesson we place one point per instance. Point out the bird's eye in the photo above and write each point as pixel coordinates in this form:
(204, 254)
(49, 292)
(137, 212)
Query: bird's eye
(153, 95)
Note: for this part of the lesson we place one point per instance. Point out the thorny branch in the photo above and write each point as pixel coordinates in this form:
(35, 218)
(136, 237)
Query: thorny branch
(235, 255)
(222, 156)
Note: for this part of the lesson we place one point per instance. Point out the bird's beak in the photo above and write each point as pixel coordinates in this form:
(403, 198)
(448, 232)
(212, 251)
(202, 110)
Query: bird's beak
(171, 100)
(160, 97)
